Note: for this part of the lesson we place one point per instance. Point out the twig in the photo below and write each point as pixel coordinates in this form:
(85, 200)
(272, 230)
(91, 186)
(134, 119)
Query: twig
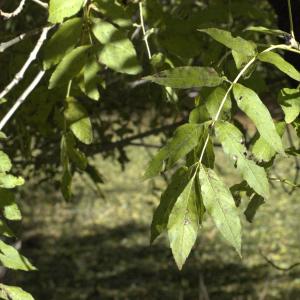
(216, 118)
(144, 30)
(22, 98)
(270, 262)
(19, 76)
(17, 11)
(291, 19)
(21, 37)
(290, 138)
(285, 181)
(41, 3)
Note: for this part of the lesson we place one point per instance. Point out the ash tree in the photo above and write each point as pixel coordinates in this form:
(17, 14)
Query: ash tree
(87, 77)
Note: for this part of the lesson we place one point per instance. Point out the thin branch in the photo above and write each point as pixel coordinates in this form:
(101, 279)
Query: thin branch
(144, 30)
(19, 76)
(22, 98)
(17, 11)
(41, 3)
(291, 19)
(216, 118)
(290, 138)
(285, 181)
(21, 37)
(270, 262)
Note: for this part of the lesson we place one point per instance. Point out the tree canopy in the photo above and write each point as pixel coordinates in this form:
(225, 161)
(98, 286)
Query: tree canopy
(82, 78)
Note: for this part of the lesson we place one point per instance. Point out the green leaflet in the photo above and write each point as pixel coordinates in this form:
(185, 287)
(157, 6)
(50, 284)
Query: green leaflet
(186, 137)
(199, 115)
(8, 181)
(8, 205)
(91, 79)
(249, 102)
(5, 163)
(66, 37)
(66, 180)
(231, 139)
(82, 129)
(240, 59)
(66, 183)
(262, 150)
(116, 13)
(74, 154)
(187, 77)
(118, 52)
(2, 136)
(220, 205)
(69, 67)
(289, 100)
(161, 215)
(276, 60)
(12, 259)
(213, 102)
(78, 120)
(13, 293)
(183, 224)
(209, 155)
(5, 230)
(58, 9)
(264, 30)
(237, 44)
(254, 204)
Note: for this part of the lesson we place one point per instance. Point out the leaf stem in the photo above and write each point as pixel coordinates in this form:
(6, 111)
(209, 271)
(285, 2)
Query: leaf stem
(292, 184)
(291, 19)
(144, 30)
(241, 73)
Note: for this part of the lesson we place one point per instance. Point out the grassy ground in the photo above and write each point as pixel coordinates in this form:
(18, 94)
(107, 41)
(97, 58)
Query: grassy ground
(99, 249)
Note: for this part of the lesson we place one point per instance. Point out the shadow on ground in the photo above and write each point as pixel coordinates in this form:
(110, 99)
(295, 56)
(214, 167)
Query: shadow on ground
(115, 264)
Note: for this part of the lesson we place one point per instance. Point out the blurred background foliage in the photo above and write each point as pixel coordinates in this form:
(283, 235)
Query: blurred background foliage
(97, 245)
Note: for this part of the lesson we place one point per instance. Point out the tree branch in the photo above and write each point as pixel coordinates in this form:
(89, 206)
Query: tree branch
(17, 11)
(19, 76)
(22, 98)
(21, 37)
(41, 3)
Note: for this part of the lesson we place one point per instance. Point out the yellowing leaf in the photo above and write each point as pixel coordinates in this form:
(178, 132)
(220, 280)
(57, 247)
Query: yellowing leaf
(12, 259)
(13, 293)
(60, 9)
(5, 163)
